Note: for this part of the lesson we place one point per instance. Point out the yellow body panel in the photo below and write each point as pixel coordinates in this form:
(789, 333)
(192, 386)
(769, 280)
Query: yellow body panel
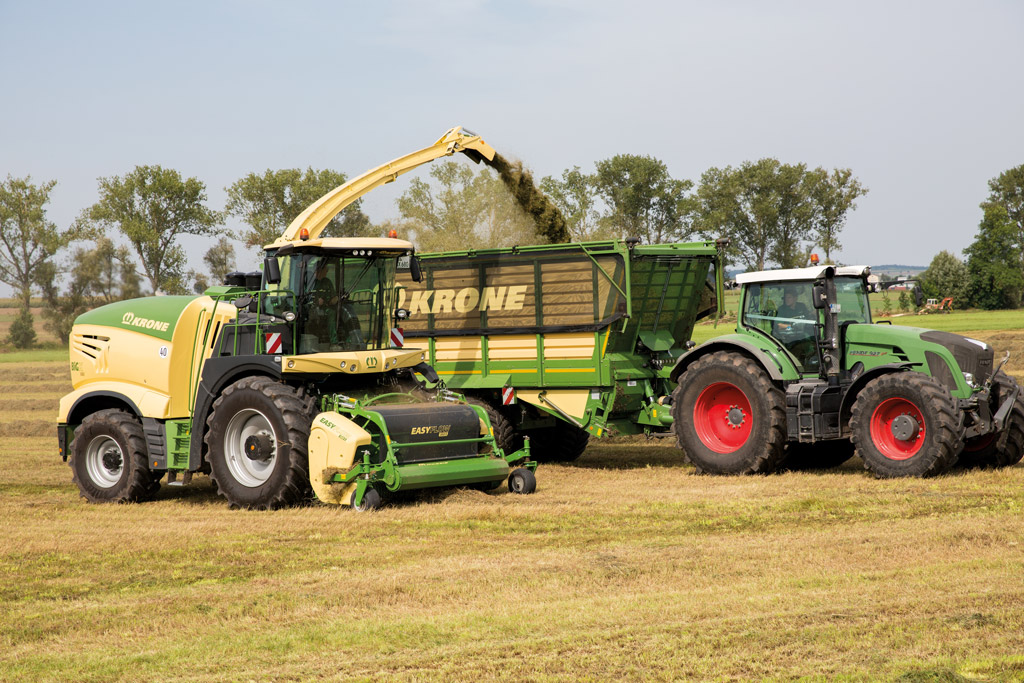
(159, 376)
(557, 346)
(570, 401)
(356, 362)
(334, 442)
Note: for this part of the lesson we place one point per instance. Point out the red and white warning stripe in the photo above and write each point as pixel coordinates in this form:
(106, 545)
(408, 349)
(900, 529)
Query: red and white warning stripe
(397, 338)
(273, 341)
(508, 396)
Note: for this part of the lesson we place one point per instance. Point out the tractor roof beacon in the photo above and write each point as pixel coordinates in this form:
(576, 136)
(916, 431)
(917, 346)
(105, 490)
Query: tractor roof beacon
(279, 384)
(808, 379)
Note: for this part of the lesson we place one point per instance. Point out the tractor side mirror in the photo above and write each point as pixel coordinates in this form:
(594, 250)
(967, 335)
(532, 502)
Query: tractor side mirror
(414, 269)
(819, 297)
(242, 302)
(271, 270)
(918, 297)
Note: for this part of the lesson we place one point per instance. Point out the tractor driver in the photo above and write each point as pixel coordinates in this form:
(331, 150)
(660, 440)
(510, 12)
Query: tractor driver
(791, 308)
(798, 338)
(323, 300)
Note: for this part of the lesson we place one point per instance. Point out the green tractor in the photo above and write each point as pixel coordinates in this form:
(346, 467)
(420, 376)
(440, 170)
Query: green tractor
(807, 381)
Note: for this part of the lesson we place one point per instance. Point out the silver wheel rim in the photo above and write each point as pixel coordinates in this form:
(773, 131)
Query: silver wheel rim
(247, 472)
(101, 475)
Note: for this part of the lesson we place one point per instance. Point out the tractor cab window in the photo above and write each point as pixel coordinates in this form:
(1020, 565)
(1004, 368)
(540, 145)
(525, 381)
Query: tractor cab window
(852, 297)
(784, 311)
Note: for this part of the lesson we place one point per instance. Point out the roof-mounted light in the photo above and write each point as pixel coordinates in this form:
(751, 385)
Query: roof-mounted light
(393, 234)
(304, 234)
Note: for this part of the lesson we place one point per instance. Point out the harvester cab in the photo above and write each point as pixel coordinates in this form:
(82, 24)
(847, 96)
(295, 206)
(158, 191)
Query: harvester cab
(279, 384)
(808, 379)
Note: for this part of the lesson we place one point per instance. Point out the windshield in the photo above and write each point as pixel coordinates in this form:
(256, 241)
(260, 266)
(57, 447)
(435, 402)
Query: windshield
(342, 303)
(853, 300)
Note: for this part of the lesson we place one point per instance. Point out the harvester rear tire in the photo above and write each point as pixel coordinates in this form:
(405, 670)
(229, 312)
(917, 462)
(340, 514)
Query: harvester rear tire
(260, 413)
(522, 481)
(729, 417)
(561, 443)
(109, 459)
(920, 402)
(821, 455)
(986, 451)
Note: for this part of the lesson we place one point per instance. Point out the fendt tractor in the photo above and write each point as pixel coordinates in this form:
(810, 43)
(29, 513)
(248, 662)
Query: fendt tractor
(562, 342)
(807, 380)
(280, 382)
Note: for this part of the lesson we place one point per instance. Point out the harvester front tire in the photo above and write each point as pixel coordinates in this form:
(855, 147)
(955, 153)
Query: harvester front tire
(821, 455)
(905, 424)
(991, 450)
(522, 481)
(729, 417)
(109, 460)
(271, 420)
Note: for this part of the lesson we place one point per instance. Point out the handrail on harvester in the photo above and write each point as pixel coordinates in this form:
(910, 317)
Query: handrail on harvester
(316, 217)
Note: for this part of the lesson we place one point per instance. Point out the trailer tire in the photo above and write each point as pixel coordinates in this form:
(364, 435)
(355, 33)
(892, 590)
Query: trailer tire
(821, 455)
(728, 416)
(905, 424)
(505, 435)
(257, 436)
(561, 443)
(109, 460)
(992, 450)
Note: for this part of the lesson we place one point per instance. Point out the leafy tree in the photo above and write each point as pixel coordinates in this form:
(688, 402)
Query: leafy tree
(886, 304)
(764, 207)
(1007, 190)
(946, 276)
(643, 199)
(904, 301)
(465, 210)
(575, 196)
(993, 262)
(152, 207)
(268, 203)
(99, 276)
(28, 242)
(833, 195)
(220, 259)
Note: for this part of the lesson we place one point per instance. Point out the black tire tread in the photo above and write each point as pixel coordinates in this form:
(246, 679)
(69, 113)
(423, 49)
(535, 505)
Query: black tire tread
(765, 460)
(1002, 453)
(505, 434)
(939, 404)
(296, 408)
(140, 486)
(561, 443)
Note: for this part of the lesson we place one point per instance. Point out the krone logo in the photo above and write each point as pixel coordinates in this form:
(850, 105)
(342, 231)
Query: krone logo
(371, 362)
(129, 318)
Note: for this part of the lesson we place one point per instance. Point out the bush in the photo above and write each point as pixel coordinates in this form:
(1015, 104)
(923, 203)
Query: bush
(22, 335)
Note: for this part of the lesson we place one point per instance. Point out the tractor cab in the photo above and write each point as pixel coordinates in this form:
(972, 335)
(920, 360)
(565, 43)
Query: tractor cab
(790, 306)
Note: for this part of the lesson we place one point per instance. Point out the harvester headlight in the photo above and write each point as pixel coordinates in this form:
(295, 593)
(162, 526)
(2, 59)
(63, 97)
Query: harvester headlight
(369, 252)
(289, 316)
(291, 364)
(423, 356)
(342, 366)
(353, 367)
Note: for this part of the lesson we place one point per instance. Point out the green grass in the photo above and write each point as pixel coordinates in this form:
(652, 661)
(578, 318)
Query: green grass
(34, 355)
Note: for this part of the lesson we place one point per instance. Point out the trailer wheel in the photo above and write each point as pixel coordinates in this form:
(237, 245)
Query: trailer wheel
(561, 443)
(905, 425)
(257, 438)
(821, 455)
(522, 481)
(109, 459)
(987, 450)
(728, 416)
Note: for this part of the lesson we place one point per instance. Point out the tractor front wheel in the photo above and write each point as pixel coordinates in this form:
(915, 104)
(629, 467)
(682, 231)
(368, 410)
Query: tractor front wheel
(109, 459)
(729, 417)
(257, 439)
(905, 425)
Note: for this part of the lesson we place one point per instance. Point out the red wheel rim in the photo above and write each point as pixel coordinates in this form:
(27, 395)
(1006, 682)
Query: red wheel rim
(722, 417)
(882, 429)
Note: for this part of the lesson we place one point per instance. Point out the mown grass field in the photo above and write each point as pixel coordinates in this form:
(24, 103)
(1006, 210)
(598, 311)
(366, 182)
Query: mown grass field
(624, 565)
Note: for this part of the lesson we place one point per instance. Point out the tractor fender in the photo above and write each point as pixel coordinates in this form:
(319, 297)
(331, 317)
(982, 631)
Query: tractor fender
(770, 364)
(874, 373)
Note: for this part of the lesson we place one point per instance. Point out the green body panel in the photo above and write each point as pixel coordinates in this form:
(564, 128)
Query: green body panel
(660, 291)
(155, 316)
(451, 473)
(178, 438)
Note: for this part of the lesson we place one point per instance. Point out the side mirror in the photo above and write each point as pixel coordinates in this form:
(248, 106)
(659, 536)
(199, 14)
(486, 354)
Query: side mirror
(819, 297)
(272, 270)
(242, 302)
(414, 269)
(918, 297)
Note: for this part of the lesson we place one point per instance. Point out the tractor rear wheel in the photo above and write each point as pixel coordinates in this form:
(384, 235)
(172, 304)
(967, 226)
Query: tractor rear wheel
(992, 450)
(729, 417)
(562, 443)
(257, 440)
(905, 424)
(109, 459)
(820, 455)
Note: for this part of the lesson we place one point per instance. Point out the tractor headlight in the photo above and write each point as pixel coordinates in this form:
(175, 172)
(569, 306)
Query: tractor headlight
(969, 378)
(289, 316)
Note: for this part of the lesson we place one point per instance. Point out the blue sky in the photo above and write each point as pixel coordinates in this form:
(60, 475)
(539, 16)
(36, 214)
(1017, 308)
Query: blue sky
(923, 100)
